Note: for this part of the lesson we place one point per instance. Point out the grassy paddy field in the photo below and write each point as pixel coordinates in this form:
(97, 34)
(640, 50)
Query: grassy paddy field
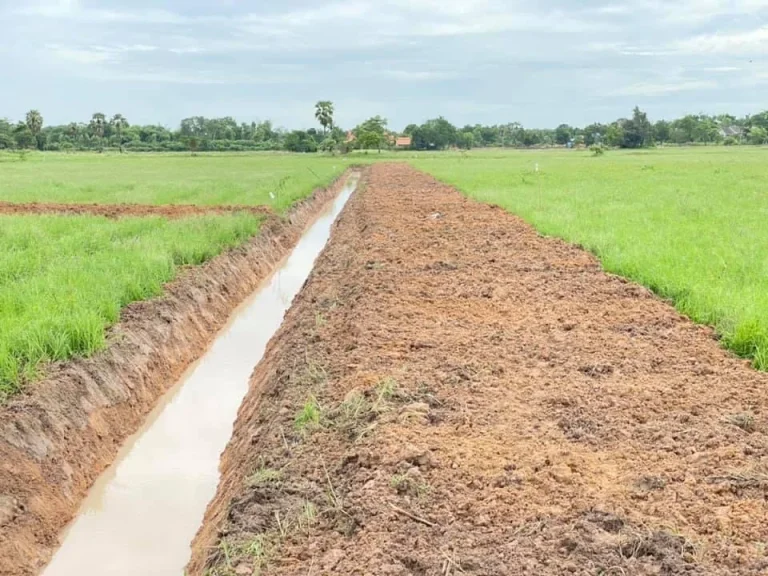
(64, 279)
(690, 223)
(206, 179)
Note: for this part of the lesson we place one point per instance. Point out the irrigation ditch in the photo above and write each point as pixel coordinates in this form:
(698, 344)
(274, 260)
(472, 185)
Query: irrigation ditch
(62, 432)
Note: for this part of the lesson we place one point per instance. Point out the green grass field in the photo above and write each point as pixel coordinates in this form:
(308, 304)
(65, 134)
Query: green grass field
(64, 279)
(211, 179)
(691, 223)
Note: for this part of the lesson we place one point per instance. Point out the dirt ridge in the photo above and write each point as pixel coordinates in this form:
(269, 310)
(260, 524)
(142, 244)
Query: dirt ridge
(452, 393)
(114, 211)
(63, 431)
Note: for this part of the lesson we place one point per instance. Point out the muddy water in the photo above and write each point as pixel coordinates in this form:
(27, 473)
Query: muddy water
(142, 513)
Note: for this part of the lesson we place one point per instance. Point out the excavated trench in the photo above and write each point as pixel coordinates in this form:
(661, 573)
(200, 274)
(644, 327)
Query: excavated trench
(141, 513)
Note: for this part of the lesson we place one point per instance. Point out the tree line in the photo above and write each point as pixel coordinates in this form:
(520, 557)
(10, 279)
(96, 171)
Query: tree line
(226, 134)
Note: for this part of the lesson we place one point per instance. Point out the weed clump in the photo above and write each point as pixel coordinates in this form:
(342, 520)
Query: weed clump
(745, 421)
(309, 416)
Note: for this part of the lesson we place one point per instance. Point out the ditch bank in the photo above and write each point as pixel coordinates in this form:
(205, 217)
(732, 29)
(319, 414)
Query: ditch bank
(452, 393)
(114, 211)
(63, 431)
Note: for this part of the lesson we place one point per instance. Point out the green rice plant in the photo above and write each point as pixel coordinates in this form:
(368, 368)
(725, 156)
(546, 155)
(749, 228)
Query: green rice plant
(65, 279)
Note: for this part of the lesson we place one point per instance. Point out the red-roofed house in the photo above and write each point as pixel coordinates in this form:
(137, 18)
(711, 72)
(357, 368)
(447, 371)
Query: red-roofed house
(403, 142)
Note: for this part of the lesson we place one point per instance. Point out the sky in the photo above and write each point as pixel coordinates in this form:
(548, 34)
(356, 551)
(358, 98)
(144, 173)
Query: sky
(541, 63)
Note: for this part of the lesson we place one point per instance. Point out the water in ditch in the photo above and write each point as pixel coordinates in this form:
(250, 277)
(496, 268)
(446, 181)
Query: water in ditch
(141, 515)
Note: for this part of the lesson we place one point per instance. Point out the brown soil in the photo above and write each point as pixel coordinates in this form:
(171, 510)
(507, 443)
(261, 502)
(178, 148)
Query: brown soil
(126, 210)
(492, 403)
(58, 436)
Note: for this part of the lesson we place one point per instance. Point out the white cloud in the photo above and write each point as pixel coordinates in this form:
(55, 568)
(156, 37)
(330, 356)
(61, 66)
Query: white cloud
(745, 42)
(311, 16)
(687, 12)
(74, 10)
(537, 62)
(418, 75)
(442, 7)
(656, 89)
(497, 23)
(79, 55)
(722, 69)
(51, 8)
(94, 54)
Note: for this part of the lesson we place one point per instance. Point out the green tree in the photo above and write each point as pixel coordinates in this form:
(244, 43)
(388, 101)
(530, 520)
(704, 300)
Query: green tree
(119, 123)
(435, 134)
(638, 132)
(6, 141)
(23, 136)
(328, 145)
(372, 133)
(34, 122)
(97, 126)
(264, 132)
(614, 135)
(324, 114)
(707, 130)
(563, 134)
(594, 134)
(661, 131)
(758, 135)
(465, 140)
(300, 141)
(683, 129)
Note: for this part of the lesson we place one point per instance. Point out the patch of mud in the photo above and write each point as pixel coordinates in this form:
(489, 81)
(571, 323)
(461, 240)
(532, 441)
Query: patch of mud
(451, 395)
(125, 210)
(63, 431)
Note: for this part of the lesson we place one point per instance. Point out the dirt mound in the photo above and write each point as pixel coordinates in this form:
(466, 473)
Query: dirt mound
(126, 210)
(454, 394)
(58, 436)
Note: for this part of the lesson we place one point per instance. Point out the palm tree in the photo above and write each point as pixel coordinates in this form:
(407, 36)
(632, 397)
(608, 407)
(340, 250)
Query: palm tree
(96, 125)
(324, 114)
(119, 123)
(35, 124)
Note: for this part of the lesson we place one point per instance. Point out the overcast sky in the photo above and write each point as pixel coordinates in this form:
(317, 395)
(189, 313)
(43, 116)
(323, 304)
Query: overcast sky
(538, 62)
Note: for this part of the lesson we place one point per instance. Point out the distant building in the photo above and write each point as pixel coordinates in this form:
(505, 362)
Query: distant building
(351, 137)
(403, 142)
(732, 132)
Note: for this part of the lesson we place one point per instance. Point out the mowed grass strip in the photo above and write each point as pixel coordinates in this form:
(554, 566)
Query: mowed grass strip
(276, 180)
(691, 224)
(64, 279)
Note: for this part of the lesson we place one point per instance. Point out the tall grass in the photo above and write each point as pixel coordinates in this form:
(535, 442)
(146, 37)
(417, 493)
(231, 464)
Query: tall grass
(691, 224)
(64, 280)
(278, 180)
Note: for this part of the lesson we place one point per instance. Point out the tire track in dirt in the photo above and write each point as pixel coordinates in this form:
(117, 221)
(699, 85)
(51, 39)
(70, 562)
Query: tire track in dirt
(114, 211)
(59, 434)
(489, 402)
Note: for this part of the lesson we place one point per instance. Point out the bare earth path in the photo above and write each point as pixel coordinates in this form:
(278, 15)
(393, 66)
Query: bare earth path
(125, 210)
(489, 402)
